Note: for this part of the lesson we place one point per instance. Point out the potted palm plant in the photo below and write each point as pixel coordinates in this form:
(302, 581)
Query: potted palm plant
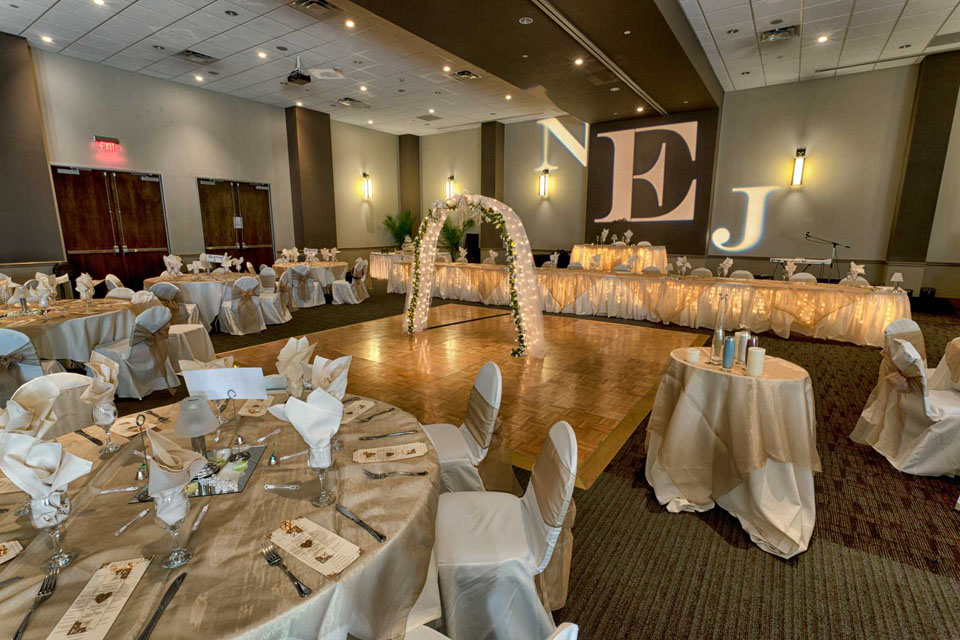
(400, 226)
(451, 234)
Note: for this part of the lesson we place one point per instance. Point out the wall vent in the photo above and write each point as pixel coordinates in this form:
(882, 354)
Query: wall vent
(316, 9)
(777, 35)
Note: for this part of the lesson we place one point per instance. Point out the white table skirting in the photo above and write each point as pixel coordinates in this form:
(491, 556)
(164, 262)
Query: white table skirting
(75, 338)
(826, 311)
(326, 273)
(380, 262)
(612, 255)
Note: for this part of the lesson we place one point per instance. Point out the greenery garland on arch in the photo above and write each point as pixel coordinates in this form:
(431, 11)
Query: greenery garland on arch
(524, 296)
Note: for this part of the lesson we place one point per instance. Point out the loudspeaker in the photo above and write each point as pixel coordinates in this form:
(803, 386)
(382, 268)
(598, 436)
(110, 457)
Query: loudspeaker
(472, 242)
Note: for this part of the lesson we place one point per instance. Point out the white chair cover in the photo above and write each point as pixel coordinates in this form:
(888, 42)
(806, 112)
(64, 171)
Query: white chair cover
(700, 272)
(268, 278)
(143, 300)
(566, 631)
(741, 274)
(803, 276)
(307, 292)
(352, 292)
(916, 429)
(643, 243)
(120, 292)
(859, 281)
(947, 373)
(651, 269)
(113, 282)
(170, 296)
(902, 329)
(240, 312)
(490, 546)
(72, 412)
(19, 363)
(462, 449)
(189, 342)
(574, 265)
(143, 358)
(277, 303)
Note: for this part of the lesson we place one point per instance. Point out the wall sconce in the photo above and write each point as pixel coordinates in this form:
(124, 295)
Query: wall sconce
(366, 186)
(798, 168)
(450, 188)
(544, 185)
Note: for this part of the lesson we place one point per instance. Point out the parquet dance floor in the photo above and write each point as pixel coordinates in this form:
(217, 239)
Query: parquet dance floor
(600, 377)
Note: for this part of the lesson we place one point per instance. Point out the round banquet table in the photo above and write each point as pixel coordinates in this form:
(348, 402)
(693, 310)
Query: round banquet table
(206, 290)
(230, 591)
(72, 329)
(324, 272)
(747, 444)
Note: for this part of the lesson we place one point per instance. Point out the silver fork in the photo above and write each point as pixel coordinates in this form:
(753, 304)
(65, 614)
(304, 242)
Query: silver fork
(269, 551)
(381, 476)
(46, 590)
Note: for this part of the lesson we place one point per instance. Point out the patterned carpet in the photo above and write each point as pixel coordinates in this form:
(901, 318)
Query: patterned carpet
(884, 561)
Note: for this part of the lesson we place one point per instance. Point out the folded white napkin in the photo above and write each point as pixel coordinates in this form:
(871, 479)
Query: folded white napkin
(597, 260)
(493, 255)
(171, 468)
(682, 264)
(225, 362)
(333, 254)
(291, 255)
(463, 252)
(555, 257)
(330, 375)
(317, 420)
(103, 385)
(856, 270)
(30, 409)
(196, 266)
(310, 255)
(250, 268)
(627, 235)
(85, 285)
(43, 470)
(295, 352)
(725, 266)
(791, 267)
(173, 264)
(603, 236)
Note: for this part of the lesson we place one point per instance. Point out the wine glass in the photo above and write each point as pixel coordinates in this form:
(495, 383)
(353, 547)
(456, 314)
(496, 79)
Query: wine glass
(104, 415)
(49, 515)
(322, 462)
(179, 556)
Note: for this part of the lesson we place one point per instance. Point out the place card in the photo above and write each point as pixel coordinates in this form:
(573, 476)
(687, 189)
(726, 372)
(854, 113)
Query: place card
(391, 453)
(316, 547)
(353, 410)
(255, 408)
(9, 550)
(127, 426)
(96, 608)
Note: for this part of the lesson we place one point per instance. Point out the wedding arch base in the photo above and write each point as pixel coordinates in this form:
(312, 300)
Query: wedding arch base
(522, 275)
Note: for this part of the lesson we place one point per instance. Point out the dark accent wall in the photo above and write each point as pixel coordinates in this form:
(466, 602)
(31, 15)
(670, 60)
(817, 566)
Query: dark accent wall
(491, 174)
(27, 209)
(933, 110)
(310, 150)
(410, 174)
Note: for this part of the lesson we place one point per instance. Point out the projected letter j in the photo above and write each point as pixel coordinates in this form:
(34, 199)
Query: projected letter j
(752, 226)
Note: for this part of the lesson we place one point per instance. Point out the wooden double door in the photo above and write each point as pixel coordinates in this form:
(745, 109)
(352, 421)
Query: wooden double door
(236, 219)
(112, 222)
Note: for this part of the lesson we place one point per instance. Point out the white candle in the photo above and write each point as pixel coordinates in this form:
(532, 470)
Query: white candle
(693, 355)
(755, 356)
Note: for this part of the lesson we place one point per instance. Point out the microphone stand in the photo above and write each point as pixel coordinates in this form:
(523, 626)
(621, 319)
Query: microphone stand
(833, 253)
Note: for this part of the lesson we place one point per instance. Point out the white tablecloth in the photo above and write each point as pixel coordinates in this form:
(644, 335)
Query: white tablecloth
(381, 263)
(73, 338)
(324, 272)
(828, 311)
(615, 254)
(207, 292)
(746, 444)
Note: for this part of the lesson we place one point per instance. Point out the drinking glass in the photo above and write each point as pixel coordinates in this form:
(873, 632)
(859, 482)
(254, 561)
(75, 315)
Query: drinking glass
(323, 464)
(104, 415)
(179, 556)
(49, 515)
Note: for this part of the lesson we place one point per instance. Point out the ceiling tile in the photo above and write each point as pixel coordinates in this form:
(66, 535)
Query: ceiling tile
(292, 17)
(827, 10)
(268, 26)
(717, 5)
(218, 23)
(934, 18)
(167, 7)
(733, 15)
(873, 29)
(147, 16)
(915, 7)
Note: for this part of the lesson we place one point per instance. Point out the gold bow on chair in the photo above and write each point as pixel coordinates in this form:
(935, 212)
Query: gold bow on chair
(9, 380)
(156, 342)
(246, 309)
(302, 281)
(174, 306)
(285, 293)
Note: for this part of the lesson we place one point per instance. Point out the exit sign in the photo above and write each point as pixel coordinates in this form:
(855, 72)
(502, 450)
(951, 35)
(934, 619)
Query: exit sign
(106, 144)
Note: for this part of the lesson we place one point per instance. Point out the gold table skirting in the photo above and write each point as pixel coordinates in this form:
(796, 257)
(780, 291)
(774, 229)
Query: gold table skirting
(612, 255)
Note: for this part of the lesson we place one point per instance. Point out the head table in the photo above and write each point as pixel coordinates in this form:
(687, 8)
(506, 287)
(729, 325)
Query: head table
(612, 255)
(230, 591)
(828, 311)
(72, 328)
(323, 272)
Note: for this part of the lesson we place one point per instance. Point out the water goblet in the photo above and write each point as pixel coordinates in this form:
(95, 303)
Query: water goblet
(49, 515)
(104, 415)
(179, 556)
(321, 461)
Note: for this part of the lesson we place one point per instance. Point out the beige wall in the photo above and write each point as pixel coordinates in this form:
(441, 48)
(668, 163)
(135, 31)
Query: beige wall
(855, 130)
(178, 131)
(945, 238)
(444, 154)
(356, 151)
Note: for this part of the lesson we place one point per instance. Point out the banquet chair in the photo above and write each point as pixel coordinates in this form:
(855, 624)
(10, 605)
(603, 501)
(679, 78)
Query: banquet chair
(491, 548)
(628, 265)
(307, 291)
(29, 291)
(651, 270)
(462, 449)
(859, 281)
(268, 279)
(902, 329)
(240, 312)
(917, 429)
(220, 270)
(643, 243)
(803, 276)
(112, 282)
(741, 274)
(575, 265)
(72, 412)
(140, 301)
(276, 304)
(947, 373)
(121, 293)
(353, 292)
(701, 272)
(566, 631)
(19, 363)
(171, 297)
(144, 356)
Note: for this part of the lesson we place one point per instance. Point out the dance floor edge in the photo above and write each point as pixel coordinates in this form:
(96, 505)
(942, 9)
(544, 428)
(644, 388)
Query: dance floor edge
(601, 377)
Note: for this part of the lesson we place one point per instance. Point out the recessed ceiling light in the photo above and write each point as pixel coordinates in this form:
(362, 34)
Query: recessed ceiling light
(431, 110)
(743, 73)
(231, 13)
(627, 32)
(822, 39)
(734, 31)
(508, 97)
(369, 121)
(198, 78)
(614, 89)
(363, 87)
(159, 47)
(525, 20)
(281, 48)
(524, 56)
(446, 68)
(904, 46)
(350, 24)
(299, 104)
(46, 39)
(261, 54)
(578, 61)
(99, 3)
(639, 109)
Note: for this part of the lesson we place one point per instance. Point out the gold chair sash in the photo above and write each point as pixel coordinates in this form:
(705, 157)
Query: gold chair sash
(549, 478)
(10, 379)
(246, 309)
(285, 292)
(481, 418)
(554, 582)
(952, 356)
(156, 342)
(496, 468)
(174, 306)
(302, 281)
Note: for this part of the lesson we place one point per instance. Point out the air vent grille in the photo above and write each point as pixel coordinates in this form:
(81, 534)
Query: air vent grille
(195, 56)
(316, 9)
(326, 74)
(463, 76)
(777, 35)
(428, 118)
(352, 102)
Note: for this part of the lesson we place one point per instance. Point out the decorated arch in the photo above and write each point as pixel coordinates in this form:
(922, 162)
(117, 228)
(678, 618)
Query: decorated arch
(521, 273)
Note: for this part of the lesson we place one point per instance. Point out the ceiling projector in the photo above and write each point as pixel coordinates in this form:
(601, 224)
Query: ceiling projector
(298, 75)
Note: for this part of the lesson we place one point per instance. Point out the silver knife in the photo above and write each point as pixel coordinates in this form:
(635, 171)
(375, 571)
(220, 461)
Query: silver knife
(95, 441)
(10, 581)
(349, 514)
(167, 597)
(389, 435)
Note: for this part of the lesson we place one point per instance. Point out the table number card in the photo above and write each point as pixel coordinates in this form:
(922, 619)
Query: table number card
(352, 410)
(316, 547)
(96, 608)
(391, 453)
(9, 550)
